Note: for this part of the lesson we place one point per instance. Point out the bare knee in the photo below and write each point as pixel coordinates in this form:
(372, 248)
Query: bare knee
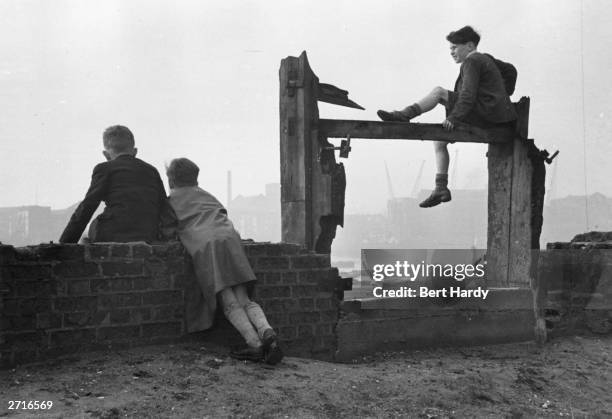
(242, 295)
(439, 93)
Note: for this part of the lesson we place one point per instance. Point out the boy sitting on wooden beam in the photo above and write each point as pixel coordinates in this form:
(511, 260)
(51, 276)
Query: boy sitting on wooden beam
(480, 98)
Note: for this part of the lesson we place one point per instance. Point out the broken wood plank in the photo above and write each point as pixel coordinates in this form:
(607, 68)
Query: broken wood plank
(334, 95)
(338, 128)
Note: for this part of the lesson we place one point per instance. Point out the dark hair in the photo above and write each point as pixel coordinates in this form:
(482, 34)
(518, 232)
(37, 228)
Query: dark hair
(463, 36)
(183, 172)
(118, 139)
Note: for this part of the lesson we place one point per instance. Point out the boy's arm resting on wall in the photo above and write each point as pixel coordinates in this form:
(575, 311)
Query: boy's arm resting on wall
(82, 215)
(469, 91)
(168, 222)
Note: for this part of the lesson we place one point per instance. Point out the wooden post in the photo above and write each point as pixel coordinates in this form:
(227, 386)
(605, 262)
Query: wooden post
(510, 231)
(298, 117)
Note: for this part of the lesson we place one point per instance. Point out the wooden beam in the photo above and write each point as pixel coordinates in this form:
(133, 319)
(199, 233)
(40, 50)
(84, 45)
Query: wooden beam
(332, 94)
(338, 128)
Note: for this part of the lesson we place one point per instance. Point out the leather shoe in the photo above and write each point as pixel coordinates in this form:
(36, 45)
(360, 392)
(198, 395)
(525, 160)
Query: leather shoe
(271, 349)
(392, 116)
(437, 197)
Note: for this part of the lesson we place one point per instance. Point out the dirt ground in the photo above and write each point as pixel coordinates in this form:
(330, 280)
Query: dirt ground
(569, 377)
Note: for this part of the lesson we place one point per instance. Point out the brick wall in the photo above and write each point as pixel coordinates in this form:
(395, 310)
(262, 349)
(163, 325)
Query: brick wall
(57, 299)
(578, 277)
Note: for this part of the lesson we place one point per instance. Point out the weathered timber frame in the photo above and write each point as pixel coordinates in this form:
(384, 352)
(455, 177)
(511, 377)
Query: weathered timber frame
(312, 183)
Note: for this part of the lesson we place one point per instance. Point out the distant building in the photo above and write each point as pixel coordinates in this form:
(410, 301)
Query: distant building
(25, 225)
(566, 217)
(32, 224)
(258, 217)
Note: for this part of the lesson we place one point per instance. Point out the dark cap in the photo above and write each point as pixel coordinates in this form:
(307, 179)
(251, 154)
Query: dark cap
(463, 36)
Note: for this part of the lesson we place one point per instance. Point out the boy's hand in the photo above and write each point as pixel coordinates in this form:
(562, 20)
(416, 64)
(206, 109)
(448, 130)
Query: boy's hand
(448, 125)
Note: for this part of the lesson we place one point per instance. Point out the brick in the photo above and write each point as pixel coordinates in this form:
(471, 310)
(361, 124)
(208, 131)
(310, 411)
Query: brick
(118, 332)
(78, 287)
(60, 252)
(323, 303)
(161, 329)
(310, 261)
(141, 251)
(303, 290)
(139, 315)
(121, 268)
(272, 262)
(277, 319)
(306, 303)
(76, 303)
(272, 278)
(120, 284)
(6, 359)
(329, 315)
(167, 312)
(166, 251)
(304, 317)
(7, 254)
(24, 339)
(155, 283)
(279, 305)
(27, 271)
(287, 332)
(120, 251)
(272, 292)
(48, 321)
(289, 278)
(19, 323)
(290, 249)
(313, 277)
(120, 300)
(73, 337)
(120, 316)
(324, 329)
(162, 297)
(98, 251)
(71, 269)
(25, 355)
(26, 306)
(40, 288)
(181, 280)
(325, 343)
(85, 318)
(305, 331)
(156, 267)
(262, 249)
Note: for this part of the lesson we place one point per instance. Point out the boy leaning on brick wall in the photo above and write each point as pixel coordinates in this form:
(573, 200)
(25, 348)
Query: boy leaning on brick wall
(221, 266)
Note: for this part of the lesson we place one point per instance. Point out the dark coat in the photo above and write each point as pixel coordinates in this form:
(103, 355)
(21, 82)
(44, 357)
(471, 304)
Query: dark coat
(134, 196)
(481, 91)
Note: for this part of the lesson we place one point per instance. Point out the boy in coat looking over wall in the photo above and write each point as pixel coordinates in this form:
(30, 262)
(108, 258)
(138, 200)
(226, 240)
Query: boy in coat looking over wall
(221, 266)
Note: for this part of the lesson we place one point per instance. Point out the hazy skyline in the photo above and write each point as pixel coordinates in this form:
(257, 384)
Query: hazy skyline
(200, 79)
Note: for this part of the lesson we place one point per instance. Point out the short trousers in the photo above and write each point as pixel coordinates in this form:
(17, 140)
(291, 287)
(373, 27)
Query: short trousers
(472, 118)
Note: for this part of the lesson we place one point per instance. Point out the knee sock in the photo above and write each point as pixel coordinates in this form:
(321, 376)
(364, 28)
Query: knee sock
(441, 181)
(239, 319)
(412, 111)
(257, 317)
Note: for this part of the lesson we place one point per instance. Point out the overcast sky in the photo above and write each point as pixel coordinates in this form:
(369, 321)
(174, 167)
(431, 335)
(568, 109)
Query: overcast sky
(200, 79)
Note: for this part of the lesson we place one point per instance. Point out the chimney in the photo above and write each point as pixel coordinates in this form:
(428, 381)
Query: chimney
(229, 188)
